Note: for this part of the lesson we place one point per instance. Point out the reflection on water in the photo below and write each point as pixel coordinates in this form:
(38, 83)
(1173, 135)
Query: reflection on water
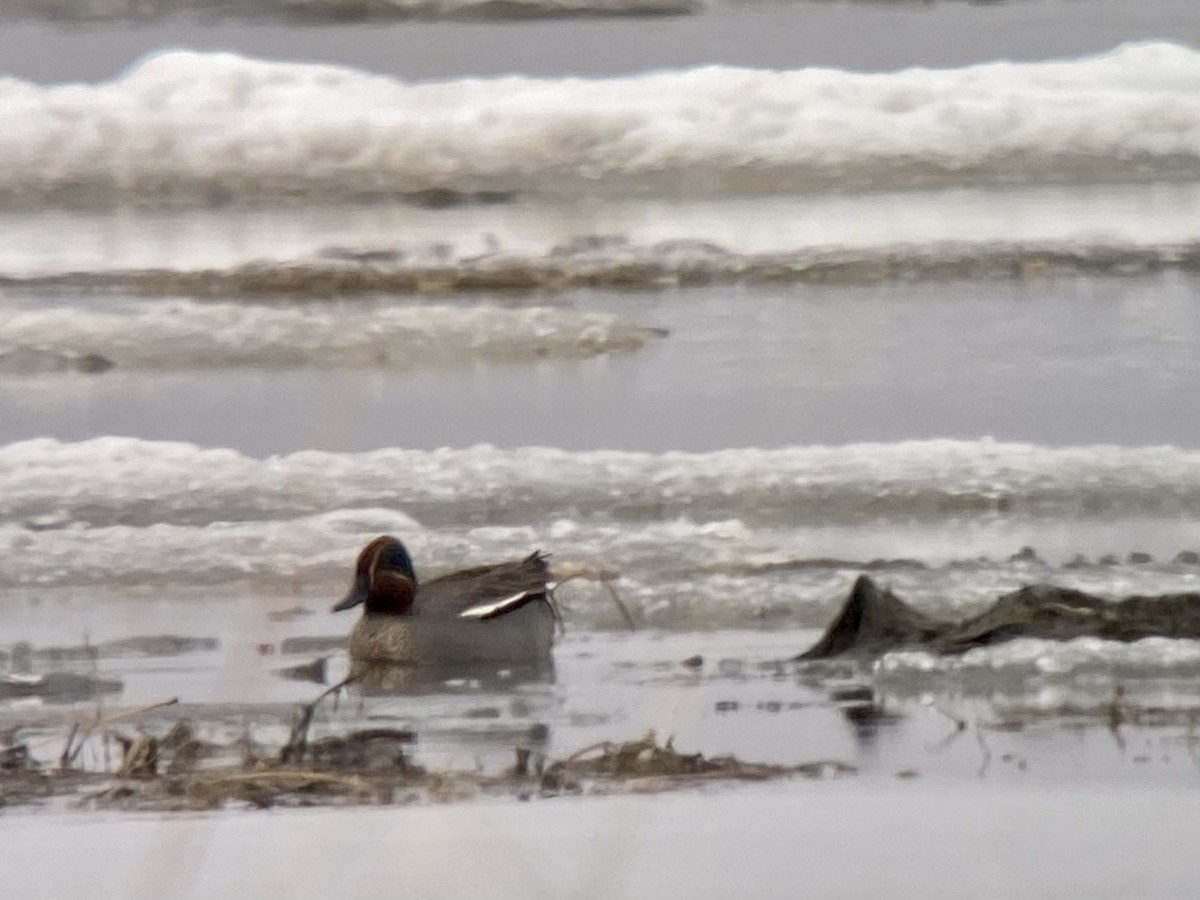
(721, 693)
(386, 679)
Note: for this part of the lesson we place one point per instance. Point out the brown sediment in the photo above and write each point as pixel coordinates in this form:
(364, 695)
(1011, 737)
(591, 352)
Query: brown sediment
(618, 265)
(147, 781)
(310, 12)
(803, 564)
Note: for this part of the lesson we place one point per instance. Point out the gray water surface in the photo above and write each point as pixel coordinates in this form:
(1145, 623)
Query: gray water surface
(784, 35)
(1055, 361)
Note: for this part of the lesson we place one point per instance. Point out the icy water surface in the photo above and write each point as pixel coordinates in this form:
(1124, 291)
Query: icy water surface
(1057, 361)
(1032, 711)
(722, 305)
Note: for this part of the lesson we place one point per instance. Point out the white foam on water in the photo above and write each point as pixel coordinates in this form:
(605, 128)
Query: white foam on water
(116, 479)
(725, 539)
(200, 128)
(188, 335)
(675, 575)
(1028, 657)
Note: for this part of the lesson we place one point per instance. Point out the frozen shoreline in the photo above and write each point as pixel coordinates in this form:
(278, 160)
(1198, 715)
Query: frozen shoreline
(831, 840)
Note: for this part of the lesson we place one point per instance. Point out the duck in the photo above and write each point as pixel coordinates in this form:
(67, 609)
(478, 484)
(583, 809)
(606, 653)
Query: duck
(492, 614)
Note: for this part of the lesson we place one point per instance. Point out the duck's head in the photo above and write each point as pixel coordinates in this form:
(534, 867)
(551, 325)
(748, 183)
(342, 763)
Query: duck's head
(384, 579)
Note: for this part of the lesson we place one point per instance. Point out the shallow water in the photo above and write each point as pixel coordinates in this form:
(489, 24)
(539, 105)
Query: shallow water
(1030, 711)
(907, 323)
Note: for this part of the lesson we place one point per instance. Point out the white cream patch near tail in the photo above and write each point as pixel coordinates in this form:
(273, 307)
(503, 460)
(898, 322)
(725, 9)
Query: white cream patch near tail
(496, 607)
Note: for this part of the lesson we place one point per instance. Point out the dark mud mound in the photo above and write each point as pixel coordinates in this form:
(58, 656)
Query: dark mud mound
(873, 621)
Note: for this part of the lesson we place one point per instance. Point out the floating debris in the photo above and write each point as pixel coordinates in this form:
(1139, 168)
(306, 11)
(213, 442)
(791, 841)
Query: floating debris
(177, 771)
(44, 360)
(139, 645)
(289, 615)
(648, 765)
(58, 687)
(314, 671)
(159, 645)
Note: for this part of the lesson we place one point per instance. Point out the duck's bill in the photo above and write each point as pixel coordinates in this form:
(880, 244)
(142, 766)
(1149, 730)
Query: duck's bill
(356, 596)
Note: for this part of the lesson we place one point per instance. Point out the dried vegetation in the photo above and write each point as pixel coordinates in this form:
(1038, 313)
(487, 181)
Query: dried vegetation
(178, 771)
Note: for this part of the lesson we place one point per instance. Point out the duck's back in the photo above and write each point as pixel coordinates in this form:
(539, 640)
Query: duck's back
(446, 598)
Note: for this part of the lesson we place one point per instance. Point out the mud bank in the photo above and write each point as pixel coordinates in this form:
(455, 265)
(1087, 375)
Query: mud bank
(874, 621)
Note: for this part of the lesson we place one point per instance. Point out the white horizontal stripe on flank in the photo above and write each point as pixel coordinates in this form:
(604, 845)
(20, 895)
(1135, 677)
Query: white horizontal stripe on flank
(483, 610)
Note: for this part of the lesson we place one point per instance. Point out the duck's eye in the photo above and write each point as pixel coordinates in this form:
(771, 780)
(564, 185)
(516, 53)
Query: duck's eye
(395, 557)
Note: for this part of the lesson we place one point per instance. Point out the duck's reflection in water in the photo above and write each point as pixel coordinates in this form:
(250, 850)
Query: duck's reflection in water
(482, 716)
(867, 718)
(372, 679)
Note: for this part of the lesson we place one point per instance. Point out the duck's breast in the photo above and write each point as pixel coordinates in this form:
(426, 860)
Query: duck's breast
(525, 635)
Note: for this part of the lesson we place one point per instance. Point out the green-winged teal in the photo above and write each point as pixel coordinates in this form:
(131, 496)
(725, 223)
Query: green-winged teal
(489, 614)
